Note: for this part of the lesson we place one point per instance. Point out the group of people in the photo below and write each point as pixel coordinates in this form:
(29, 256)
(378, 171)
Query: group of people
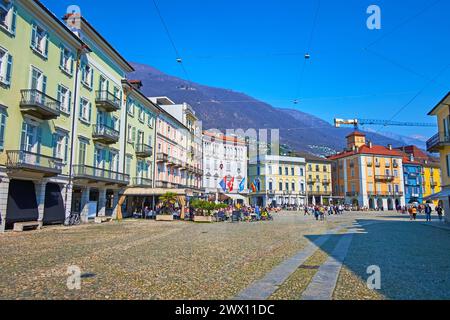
(241, 212)
(426, 209)
(320, 211)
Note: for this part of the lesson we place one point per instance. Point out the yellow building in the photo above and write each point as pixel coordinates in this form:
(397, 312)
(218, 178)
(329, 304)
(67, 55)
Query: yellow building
(367, 175)
(441, 143)
(318, 179)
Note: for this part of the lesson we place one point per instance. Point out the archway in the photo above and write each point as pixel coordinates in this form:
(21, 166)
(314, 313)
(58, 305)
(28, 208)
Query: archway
(371, 204)
(390, 204)
(380, 204)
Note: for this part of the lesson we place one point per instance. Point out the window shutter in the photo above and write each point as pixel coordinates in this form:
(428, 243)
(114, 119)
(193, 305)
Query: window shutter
(39, 140)
(71, 64)
(13, 21)
(66, 147)
(2, 129)
(58, 94)
(80, 114)
(90, 111)
(92, 77)
(44, 84)
(69, 105)
(22, 137)
(33, 36)
(54, 144)
(61, 57)
(9, 69)
(46, 44)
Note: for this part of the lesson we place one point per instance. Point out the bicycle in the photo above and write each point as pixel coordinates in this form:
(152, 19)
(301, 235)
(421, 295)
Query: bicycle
(73, 220)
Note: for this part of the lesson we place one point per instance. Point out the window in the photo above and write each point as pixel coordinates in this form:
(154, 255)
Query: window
(128, 164)
(280, 186)
(270, 169)
(292, 171)
(302, 187)
(287, 186)
(150, 120)
(8, 16)
(114, 161)
(60, 145)
(39, 41)
(293, 186)
(270, 185)
(66, 61)
(141, 114)
(448, 165)
(6, 61)
(302, 173)
(64, 96)
(130, 107)
(82, 151)
(85, 110)
(280, 171)
(369, 172)
(38, 81)
(2, 128)
(87, 75)
(317, 167)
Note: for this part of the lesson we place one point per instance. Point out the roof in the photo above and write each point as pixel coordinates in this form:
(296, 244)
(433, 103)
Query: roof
(356, 133)
(420, 156)
(121, 58)
(59, 22)
(365, 149)
(222, 137)
(442, 102)
(310, 157)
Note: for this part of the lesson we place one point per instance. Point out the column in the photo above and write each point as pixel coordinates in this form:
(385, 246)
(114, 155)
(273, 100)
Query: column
(67, 190)
(4, 187)
(115, 204)
(101, 202)
(446, 205)
(40, 198)
(85, 204)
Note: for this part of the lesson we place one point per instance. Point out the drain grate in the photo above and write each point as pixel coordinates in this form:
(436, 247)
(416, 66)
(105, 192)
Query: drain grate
(87, 275)
(309, 267)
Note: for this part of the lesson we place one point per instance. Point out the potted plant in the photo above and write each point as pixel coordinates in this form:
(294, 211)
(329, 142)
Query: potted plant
(204, 210)
(168, 201)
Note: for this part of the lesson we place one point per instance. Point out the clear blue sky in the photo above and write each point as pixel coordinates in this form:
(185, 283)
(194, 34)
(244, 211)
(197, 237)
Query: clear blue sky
(257, 47)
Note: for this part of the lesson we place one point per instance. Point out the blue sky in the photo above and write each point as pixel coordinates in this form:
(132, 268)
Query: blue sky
(257, 47)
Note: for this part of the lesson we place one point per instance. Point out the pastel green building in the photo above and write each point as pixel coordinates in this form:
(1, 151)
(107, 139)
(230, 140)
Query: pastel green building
(37, 81)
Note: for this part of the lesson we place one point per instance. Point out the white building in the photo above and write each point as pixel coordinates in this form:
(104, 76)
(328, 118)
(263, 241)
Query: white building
(225, 157)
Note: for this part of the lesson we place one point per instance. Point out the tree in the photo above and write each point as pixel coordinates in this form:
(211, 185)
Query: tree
(168, 201)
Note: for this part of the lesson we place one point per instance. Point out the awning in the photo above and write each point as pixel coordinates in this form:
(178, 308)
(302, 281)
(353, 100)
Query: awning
(237, 196)
(444, 194)
(152, 191)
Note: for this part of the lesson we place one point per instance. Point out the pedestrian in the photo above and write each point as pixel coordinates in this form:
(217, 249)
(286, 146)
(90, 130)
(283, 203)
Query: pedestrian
(428, 212)
(316, 212)
(439, 212)
(414, 212)
(306, 211)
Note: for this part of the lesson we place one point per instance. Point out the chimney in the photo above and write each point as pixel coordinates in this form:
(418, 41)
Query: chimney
(411, 157)
(137, 84)
(389, 146)
(370, 144)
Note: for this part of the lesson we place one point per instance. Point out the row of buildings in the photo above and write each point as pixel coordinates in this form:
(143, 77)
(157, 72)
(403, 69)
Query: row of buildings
(76, 135)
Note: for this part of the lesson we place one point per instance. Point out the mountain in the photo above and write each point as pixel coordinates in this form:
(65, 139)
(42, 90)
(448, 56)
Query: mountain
(226, 109)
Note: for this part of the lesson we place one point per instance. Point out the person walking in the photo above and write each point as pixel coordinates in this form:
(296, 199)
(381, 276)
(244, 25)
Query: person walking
(428, 212)
(439, 212)
(414, 213)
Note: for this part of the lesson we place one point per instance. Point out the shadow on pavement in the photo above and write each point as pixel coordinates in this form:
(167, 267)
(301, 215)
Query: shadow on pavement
(414, 259)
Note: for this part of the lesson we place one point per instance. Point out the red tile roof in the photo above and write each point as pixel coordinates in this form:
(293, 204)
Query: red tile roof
(356, 133)
(365, 149)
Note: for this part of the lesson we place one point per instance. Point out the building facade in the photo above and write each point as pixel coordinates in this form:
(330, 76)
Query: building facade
(440, 143)
(279, 181)
(37, 91)
(367, 175)
(318, 180)
(413, 178)
(225, 157)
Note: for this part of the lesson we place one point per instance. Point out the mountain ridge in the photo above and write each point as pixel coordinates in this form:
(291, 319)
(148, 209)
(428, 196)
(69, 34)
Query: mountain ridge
(228, 109)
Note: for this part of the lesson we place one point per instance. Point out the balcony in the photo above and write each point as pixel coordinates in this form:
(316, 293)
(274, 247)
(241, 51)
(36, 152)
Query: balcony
(107, 101)
(141, 182)
(32, 162)
(369, 163)
(326, 182)
(319, 193)
(105, 134)
(143, 150)
(38, 104)
(311, 181)
(438, 141)
(352, 194)
(168, 185)
(94, 175)
(384, 178)
(162, 157)
(377, 164)
(433, 183)
(395, 165)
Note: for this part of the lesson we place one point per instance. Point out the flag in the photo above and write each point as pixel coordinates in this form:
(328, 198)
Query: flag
(231, 184)
(257, 184)
(223, 184)
(253, 187)
(242, 185)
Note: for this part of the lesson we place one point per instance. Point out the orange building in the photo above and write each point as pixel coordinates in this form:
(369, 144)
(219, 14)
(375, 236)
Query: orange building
(368, 175)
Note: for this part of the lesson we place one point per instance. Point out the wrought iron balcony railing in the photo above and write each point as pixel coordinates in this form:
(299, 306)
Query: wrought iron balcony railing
(107, 101)
(29, 161)
(142, 182)
(105, 134)
(38, 104)
(99, 174)
(143, 150)
(162, 157)
(439, 140)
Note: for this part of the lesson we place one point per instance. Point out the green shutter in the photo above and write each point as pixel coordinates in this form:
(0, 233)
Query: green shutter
(9, 69)
(33, 36)
(69, 106)
(90, 111)
(61, 57)
(44, 84)
(46, 44)
(13, 21)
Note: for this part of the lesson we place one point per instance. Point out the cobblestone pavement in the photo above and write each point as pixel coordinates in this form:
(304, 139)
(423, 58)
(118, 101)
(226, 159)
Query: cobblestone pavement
(180, 260)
